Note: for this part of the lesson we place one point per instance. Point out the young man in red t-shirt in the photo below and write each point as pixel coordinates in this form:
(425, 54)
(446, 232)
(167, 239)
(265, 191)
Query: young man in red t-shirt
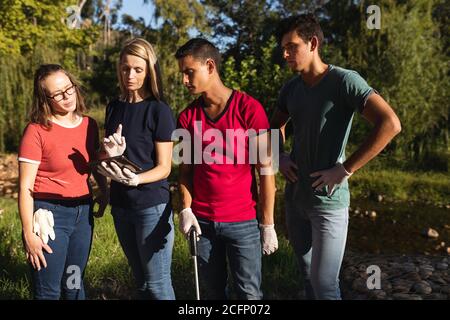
(218, 187)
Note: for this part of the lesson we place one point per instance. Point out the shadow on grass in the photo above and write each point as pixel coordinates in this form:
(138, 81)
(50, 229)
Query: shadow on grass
(113, 281)
(14, 274)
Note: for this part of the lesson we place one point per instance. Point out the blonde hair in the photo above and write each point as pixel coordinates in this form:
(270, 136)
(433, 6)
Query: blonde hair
(143, 49)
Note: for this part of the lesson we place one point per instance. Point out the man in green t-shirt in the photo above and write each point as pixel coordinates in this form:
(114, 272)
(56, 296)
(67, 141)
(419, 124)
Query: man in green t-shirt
(321, 101)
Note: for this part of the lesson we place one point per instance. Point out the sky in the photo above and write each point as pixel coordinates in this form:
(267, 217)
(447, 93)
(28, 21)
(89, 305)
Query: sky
(136, 9)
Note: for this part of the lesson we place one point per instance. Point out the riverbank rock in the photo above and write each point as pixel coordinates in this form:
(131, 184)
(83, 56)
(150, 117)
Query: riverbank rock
(441, 266)
(411, 277)
(430, 233)
(422, 287)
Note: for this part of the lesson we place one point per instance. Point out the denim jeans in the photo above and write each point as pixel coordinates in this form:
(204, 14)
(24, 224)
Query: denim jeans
(147, 237)
(318, 238)
(73, 238)
(240, 243)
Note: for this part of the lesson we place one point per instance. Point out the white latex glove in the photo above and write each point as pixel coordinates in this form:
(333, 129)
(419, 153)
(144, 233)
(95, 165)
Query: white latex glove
(124, 176)
(269, 238)
(188, 220)
(115, 144)
(330, 178)
(43, 224)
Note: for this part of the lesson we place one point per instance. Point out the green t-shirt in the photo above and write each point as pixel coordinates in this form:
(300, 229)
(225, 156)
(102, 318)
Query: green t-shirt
(321, 117)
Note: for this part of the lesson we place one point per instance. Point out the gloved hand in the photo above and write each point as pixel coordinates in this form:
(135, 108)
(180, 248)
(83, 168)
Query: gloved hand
(188, 220)
(124, 176)
(330, 178)
(43, 224)
(268, 238)
(115, 144)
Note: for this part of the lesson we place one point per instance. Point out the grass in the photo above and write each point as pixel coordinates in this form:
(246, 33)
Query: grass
(14, 281)
(395, 185)
(431, 188)
(108, 275)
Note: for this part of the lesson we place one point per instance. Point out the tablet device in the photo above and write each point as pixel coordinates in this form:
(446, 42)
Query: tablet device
(121, 161)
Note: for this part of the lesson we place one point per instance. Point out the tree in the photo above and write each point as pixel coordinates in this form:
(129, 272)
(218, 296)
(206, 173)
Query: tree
(404, 62)
(240, 23)
(256, 76)
(176, 20)
(32, 32)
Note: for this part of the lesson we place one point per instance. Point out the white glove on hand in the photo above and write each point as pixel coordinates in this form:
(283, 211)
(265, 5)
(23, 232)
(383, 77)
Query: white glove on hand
(115, 144)
(187, 221)
(268, 238)
(43, 224)
(124, 176)
(330, 178)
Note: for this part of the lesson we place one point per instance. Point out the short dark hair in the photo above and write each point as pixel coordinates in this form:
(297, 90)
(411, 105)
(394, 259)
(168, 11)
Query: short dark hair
(200, 49)
(306, 26)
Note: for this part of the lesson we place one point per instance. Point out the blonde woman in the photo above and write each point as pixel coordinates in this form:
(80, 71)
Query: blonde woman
(139, 125)
(54, 185)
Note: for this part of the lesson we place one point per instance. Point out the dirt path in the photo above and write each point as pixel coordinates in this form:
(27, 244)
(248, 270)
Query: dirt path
(8, 176)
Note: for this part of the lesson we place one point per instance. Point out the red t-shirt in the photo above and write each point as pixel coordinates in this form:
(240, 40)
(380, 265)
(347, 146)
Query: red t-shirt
(224, 190)
(63, 155)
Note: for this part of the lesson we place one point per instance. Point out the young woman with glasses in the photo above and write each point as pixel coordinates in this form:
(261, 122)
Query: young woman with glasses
(55, 196)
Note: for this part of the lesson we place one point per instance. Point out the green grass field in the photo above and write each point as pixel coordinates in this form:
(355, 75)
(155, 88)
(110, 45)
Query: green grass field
(108, 275)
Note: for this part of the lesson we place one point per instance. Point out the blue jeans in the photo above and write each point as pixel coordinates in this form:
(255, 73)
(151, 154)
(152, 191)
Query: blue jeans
(240, 243)
(147, 237)
(318, 238)
(73, 238)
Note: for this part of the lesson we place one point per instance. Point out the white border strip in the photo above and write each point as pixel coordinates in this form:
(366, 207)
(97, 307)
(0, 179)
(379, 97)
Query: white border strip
(28, 160)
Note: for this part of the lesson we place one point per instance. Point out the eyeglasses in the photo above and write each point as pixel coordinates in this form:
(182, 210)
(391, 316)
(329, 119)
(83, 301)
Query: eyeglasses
(60, 96)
